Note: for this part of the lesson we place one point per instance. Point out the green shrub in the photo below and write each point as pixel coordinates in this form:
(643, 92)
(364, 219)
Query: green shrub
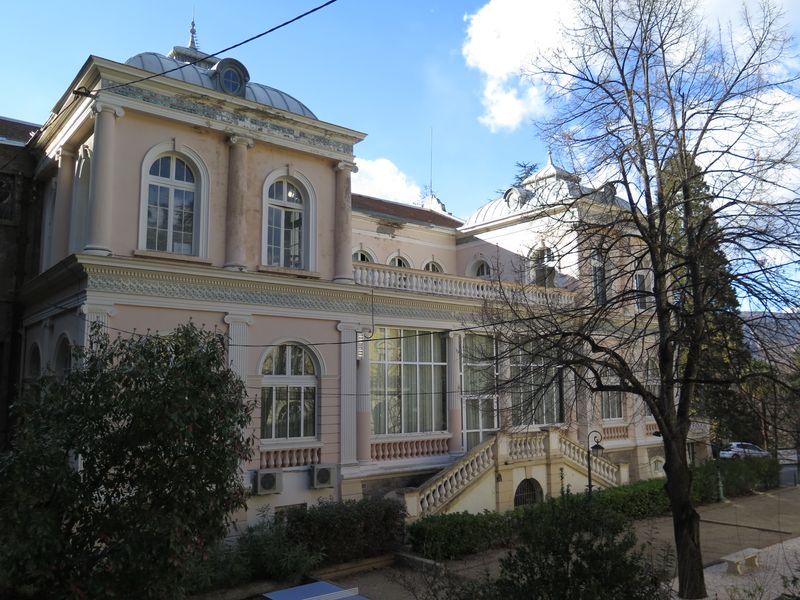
(442, 537)
(575, 547)
(739, 478)
(292, 543)
(636, 500)
(345, 531)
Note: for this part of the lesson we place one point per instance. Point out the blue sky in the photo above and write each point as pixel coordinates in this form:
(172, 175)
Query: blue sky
(393, 69)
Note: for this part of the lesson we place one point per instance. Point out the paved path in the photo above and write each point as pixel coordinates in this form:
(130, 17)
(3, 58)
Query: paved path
(769, 519)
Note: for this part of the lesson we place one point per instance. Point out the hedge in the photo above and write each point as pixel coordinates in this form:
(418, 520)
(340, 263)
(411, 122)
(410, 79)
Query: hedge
(443, 537)
(288, 545)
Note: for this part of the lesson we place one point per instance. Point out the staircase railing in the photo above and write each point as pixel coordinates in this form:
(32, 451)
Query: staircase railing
(604, 470)
(440, 489)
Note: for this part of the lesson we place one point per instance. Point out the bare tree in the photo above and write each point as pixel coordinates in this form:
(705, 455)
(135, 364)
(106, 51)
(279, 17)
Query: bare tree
(688, 134)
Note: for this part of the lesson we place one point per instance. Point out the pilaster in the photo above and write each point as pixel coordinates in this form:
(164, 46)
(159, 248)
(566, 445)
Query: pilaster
(102, 179)
(348, 392)
(343, 229)
(237, 342)
(236, 211)
(98, 313)
(63, 203)
(364, 407)
(454, 343)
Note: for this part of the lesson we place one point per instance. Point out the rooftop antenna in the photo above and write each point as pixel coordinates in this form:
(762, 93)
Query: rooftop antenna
(193, 34)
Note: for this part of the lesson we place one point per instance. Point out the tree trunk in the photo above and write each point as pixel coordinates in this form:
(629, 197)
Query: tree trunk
(686, 527)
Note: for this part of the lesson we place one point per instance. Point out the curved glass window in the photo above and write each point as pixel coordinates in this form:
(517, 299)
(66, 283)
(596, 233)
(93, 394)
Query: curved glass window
(483, 270)
(362, 256)
(399, 262)
(171, 206)
(285, 222)
(434, 267)
(288, 393)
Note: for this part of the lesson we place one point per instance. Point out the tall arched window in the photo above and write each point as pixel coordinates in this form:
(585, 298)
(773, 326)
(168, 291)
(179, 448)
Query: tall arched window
(288, 393)
(172, 206)
(285, 239)
(482, 269)
(400, 262)
(62, 362)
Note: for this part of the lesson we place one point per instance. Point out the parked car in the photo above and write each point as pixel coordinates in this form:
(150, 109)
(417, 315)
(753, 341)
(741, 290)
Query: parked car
(743, 450)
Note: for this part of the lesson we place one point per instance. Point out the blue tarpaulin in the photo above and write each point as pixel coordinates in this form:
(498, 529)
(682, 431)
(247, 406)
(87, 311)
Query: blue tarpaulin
(320, 590)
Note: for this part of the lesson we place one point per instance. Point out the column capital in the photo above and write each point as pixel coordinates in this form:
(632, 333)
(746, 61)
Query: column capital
(232, 318)
(453, 335)
(239, 139)
(357, 327)
(345, 165)
(100, 308)
(64, 152)
(103, 106)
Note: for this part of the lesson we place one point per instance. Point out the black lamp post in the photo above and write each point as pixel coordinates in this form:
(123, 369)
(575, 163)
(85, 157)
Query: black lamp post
(595, 450)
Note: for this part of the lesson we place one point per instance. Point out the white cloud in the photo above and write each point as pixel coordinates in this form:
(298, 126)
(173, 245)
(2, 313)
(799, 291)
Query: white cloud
(503, 38)
(382, 179)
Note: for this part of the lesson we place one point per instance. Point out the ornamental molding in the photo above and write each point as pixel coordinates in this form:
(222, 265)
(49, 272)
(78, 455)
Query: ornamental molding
(258, 127)
(152, 287)
(104, 105)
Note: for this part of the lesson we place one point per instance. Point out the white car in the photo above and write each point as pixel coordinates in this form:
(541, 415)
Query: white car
(743, 450)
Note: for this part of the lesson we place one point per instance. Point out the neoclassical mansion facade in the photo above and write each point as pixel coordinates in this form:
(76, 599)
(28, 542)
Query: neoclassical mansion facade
(202, 195)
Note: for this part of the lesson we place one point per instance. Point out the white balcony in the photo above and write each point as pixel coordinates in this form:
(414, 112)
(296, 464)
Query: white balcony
(441, 284)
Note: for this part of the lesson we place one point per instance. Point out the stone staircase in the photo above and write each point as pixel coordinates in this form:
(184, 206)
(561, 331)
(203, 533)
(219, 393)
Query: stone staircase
(502, 451)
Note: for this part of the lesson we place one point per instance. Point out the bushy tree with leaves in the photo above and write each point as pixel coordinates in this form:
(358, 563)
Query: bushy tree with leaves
(663, 113)
(124, 470)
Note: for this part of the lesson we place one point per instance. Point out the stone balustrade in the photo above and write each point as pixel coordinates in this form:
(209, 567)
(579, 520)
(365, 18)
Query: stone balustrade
(602, 469)
(279, 458)
(412, 280)
(650, 428)
(444, 486)
(615, 432)
(526, 446)
(409, 446)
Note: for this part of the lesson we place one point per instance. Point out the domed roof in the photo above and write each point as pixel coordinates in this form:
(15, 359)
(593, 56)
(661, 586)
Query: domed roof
(195, 74)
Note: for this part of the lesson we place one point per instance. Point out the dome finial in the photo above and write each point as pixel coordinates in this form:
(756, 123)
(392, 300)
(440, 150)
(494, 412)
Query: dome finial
(549, 156)
(193, 35)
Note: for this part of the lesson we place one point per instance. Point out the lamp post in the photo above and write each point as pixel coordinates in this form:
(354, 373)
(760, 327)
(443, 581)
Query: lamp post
(595, 450)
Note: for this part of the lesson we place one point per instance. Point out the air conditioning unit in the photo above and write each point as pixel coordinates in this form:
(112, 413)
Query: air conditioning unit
(323, 476)
(269, 481)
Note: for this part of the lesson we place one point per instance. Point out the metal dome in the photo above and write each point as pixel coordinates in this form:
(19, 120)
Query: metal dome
(194, 74)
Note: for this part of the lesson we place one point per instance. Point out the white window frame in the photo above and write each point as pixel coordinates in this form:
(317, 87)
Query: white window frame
(302, 381)
(201, 183)
(488, 424)
(309, 233)
(398, 257)
(433, 266)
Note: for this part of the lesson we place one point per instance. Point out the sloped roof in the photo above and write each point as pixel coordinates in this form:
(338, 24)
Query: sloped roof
(402, 212)
(12, 130)
(195, 74)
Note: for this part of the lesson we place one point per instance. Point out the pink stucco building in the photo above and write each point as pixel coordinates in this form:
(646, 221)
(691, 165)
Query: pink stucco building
(200, 194)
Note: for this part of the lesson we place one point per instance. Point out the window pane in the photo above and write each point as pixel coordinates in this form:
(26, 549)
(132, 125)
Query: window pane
(293, 239)
(276, 191)
(424, 342)
(440, 398)
(392, 344)
(161, 240)
(393, 402)
(472, 413)
(293, 194)
(267, 367)
(280, 360)
(410, 398)
(281, 412)
(487, 413)
(309, 411)
(308, 364)
(266, 412)
(296, 354)
(295, 408)
(378, 386)
(180, 170)
(409, 345)
(427, 397)
(439, 341)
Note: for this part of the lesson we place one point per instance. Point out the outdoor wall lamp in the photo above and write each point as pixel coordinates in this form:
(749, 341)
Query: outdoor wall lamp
(594, 450)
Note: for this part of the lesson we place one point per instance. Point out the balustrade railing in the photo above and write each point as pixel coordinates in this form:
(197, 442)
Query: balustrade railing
(615, 432)
(412, 280)
(445, 485)
(603, 469)
(278, 458)
(525, 446)
(391, 448)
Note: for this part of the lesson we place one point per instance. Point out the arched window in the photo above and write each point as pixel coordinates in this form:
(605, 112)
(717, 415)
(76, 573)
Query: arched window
(34, 366)
(544, 272)
(400, 262)
(62, 362)
(482, 269)
(599, 279)
(529, 491)
(285, 235)
(640, 285)
(433, 267)
(362, 256)
(172, 207)
(288, 393)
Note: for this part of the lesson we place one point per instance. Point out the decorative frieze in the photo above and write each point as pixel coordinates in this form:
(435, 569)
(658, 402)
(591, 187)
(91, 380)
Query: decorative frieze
(193, 105)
